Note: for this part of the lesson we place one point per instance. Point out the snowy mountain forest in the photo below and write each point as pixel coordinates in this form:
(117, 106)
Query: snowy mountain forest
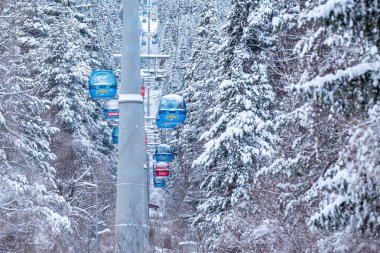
(280, 151)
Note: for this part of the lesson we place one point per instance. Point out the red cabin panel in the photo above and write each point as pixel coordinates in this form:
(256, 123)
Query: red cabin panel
(112, 114)
(162, 173)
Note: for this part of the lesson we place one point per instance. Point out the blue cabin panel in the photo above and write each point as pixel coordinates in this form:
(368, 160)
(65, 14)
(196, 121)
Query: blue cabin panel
(163, 157)
(159, 182)
(111, 114)
(115, 135)
(161, 125)
(172, 116)
(159, 185)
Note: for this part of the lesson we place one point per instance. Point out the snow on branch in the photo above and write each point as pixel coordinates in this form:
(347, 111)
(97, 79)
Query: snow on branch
(347, 74)
(324, 11)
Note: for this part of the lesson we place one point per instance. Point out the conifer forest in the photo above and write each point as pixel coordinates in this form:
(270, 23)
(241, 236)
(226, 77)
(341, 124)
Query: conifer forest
(279, 151)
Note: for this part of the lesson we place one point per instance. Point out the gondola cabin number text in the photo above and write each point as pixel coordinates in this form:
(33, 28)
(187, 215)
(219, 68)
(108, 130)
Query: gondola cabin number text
(102, 91)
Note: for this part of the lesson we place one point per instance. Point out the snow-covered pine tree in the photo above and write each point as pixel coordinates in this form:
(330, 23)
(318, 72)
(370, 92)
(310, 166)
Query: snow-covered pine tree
(278, 224)
(338, 84)
(198, 90)
(340, 53)
(33, 215)
(342, 58)
(106, 23)
(88, 155)
(238, 141)
(178, 19)
(350, 205)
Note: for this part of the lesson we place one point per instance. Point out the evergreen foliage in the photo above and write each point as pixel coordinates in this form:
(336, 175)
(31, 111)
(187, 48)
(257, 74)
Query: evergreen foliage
(53, 147)
(280, 151)
(287, 114)
(32, 211)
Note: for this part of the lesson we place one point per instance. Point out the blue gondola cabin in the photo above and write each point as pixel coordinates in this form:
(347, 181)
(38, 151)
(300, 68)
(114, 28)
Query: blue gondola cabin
(163, 153)
(102, 84)
(172, 109)
(111, 109)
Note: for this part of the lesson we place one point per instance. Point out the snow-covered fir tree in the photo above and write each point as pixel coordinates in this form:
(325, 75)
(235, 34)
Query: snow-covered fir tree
(335, 83)
(238, 141)
(58, 168)
(340, 53)
(178, 19)
(197, 90)
(88, 152)
(33, 214)
(346, 50)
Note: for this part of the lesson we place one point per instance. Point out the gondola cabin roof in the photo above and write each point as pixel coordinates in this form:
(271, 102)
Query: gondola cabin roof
(163, 148)
(172, 101)
(173, 97)
(111, 104)
(102, 77)
(162, 165)
(159, 180)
